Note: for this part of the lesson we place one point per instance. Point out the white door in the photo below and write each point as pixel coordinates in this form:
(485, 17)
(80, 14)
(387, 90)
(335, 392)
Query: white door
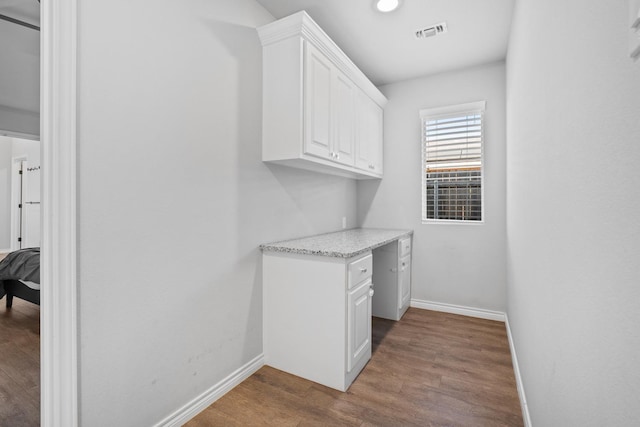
(317, 93)
(16, 204)
(359, 323)
(30, 206)
(404, 279)
(344, 119)
(368, 134)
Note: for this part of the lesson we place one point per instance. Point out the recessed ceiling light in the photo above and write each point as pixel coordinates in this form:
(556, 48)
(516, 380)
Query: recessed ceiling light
(387, 5)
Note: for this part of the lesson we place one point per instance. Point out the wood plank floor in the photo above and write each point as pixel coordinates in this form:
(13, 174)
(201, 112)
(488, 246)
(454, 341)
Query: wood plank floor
(429, 369)
(19, 364)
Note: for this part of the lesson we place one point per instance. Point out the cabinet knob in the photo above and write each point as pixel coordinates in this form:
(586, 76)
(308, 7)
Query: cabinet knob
(363, 269)
(371, 292)
(371, 167)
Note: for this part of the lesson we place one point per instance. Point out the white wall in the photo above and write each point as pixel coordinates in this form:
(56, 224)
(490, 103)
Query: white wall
(26, 148)
(19, 79)
(573, 211)
(9, 149)
(174, 201)
(452, 264)
(31, 181)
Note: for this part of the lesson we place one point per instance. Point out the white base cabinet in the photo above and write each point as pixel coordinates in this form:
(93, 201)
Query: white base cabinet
(317, 316)
(392, 279)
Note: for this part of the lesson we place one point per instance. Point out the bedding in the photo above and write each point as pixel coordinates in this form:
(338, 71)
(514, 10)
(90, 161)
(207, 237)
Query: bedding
(20, 275)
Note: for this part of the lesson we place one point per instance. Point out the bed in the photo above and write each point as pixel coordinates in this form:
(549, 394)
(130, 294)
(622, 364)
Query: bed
(20, 276)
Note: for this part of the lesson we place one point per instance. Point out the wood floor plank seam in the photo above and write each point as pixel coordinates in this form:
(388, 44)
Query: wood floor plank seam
(429, 369)
(20, 364)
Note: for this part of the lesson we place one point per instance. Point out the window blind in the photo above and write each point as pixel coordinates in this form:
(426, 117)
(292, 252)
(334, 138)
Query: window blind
(453, 142)
(452, 161)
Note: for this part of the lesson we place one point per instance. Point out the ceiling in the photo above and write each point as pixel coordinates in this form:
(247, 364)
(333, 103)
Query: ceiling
(22, 10)
(384, 47)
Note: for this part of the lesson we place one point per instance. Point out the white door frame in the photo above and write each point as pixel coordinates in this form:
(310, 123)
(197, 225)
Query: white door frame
(59, 317)
(16, 195)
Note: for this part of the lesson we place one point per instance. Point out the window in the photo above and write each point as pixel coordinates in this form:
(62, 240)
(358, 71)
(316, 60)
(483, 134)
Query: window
(452, 146)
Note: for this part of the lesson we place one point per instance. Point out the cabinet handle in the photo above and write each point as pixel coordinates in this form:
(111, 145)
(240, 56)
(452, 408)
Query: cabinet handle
(371, 292)
(337, 156)
(363, 270)
(371, 167)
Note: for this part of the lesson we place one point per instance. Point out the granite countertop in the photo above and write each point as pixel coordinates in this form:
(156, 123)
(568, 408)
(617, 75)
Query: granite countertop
(341, 244)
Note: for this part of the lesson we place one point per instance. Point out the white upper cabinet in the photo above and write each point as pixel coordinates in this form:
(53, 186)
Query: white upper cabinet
(344, 119)
(329, 110)
(317, 112)
(369, 135)
(320, 112)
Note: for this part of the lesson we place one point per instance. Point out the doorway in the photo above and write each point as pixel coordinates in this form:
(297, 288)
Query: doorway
(26, 207)
(56, 98)
(56, 93)
(20, 129)
(25, 194)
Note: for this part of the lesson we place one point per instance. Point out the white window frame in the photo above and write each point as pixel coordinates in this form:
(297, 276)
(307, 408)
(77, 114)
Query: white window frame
(446, 111)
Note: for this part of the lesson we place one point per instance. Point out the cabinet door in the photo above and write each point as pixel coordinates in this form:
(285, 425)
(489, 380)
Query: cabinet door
(404, 281)
(359, 323)
(344, 118)
(317, 101)
(369, 135)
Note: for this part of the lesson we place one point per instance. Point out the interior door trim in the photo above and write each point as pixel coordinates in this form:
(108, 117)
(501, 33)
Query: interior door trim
(58, 317)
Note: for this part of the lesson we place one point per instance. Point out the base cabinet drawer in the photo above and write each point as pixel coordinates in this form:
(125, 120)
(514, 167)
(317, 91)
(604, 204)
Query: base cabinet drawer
(405, 246)
(359, 270)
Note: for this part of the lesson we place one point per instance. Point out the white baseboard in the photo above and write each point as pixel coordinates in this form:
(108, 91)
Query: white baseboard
(200, 403)
(458, 309)
(5, 251)
(516, 369)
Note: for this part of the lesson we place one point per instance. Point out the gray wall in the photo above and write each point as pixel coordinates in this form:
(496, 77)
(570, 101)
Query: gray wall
(19, 79)
(461, 264)
(174, 200)
(573, 211)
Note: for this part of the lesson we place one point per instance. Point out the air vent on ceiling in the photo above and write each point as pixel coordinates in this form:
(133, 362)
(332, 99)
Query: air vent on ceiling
(431, 31)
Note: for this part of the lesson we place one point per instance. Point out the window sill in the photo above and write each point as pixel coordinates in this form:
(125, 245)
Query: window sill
(450, 222)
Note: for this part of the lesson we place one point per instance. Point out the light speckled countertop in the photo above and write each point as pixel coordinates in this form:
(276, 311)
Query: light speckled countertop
(341, 244)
